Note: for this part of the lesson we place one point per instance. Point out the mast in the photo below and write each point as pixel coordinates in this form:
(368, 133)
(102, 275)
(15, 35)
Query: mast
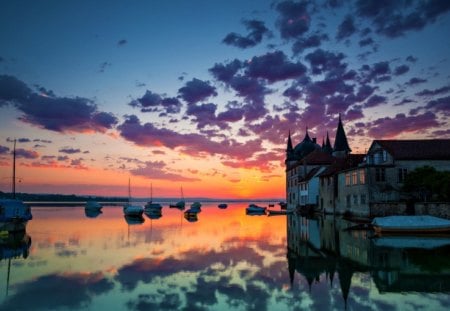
(151, 192)
(182, 196)
(14, 171)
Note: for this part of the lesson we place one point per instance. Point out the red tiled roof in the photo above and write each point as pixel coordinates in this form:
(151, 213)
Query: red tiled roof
(431, 149)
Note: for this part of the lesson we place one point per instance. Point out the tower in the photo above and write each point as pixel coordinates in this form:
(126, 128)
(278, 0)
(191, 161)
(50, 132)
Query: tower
(341, 148)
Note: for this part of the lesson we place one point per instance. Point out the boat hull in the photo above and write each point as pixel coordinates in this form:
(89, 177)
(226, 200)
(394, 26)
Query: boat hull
(410, 225)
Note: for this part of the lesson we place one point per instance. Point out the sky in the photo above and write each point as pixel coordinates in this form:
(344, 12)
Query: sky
(202, 94)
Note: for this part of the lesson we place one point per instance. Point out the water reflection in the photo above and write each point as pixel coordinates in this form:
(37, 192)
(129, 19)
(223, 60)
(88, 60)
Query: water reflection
(225, 260)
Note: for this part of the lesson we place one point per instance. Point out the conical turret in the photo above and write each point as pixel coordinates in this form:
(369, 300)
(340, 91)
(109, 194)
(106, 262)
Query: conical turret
(341, 148)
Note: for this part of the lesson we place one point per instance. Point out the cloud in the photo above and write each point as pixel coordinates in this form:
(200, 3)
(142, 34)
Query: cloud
(4, 150)
(401, 70)
(152, 102)
(196, 90)
(322, 61)
(122, 42)
(104, 66)
(346, 28)
(59, 114)
(366, 42)
(69, 150)
(395, 18)
(308, 42)
(225, 72)
(293, 20)
(391, 127)
(378, 72)
(157, 170)
(256, 29)
(411, 59)
(195, 144)
(274, 66)
(415, 81)
(204, 114)
(439, 91)
(374, 101)
(440, 105)
(26, 154)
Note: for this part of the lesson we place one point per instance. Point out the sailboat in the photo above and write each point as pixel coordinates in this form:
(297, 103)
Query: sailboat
(130, 209)
(180, 204)
(150, 205)
(14, 213)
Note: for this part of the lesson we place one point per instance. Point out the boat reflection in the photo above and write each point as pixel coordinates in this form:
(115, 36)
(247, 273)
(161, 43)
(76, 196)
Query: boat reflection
(92, 213)
(324, 247)
(134, 220)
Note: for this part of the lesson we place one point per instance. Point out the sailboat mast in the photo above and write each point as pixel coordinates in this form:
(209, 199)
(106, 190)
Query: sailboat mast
(14, 171)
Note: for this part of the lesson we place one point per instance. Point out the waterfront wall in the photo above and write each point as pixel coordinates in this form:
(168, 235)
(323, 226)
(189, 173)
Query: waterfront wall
(438, 209)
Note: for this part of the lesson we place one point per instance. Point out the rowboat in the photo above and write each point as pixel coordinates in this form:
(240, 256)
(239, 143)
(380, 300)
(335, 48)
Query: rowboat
(410, 224)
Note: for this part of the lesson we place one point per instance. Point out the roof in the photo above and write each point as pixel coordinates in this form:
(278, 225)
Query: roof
(310, 174)
(340, 142)
(426, 149)
(318, 157)
(340, 164)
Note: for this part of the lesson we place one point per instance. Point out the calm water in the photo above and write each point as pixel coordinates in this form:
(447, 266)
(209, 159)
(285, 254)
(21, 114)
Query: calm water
(225, 260)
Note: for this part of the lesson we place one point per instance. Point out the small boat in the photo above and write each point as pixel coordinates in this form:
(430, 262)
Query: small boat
(196, 207)
(93, 205)
(410, 224)
(132, 210)
(222, 205)
(14, 212)
(180, 204)
(283, 205)
(150, 204)
(253, 208)
(271, 205)
(153, 213)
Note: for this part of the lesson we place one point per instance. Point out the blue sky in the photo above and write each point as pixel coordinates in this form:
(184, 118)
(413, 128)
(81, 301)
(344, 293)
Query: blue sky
(143, 84)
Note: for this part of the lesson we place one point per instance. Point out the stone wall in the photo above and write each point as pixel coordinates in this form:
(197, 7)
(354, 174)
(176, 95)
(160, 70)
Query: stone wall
(438, 209)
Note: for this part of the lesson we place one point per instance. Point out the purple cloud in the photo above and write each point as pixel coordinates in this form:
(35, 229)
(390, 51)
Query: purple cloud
(391, 127)
(225, 73)
(196, 90)
(274, 67)
(415, 81)
(152, 102)
(59, 114)
(293, 20)
(401, 70)
(309, 42)
(439, 91)
(322, 61)
(374, 101)
(194, 144)
(69, 150)
(204, 114)
(158, 170)
(346, 28)
(256, 29)
(4, 150)
(122, 42)
(26, 154)
(440, 105)
(366, 42)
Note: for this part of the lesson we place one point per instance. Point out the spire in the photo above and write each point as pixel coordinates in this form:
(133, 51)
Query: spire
(340, 143)
(289, 143)
(323, 143)
(307, 138)
(328, 149)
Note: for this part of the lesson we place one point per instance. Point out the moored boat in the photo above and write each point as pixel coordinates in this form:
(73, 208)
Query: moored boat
(93, 205)
(180, 204)
(196, 207)
(130, 209)
(150, 204)
(253, 208)
(410, 224)
(222, 205)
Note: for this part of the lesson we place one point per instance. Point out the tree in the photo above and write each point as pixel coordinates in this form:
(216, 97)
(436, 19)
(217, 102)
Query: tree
(425, 184)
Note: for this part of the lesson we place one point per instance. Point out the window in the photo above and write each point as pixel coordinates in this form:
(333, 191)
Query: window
(402, 172)
(355, 199)
(347, 179)
(363, 199)
(362, 177)
(380, 174)
(354, 178)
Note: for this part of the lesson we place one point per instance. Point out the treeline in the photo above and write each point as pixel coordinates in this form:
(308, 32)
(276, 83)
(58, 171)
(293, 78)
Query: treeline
(428, 184)
(29, 197)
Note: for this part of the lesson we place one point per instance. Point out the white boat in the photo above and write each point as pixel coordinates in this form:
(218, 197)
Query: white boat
(410, 224)
(130, 209)
(222, 205)
(253, 208)
(13, 211)
(180, 204)
(150, 205)
(93, 205)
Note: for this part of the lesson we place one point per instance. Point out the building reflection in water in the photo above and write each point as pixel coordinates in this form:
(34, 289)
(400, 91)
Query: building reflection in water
(326, 246)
